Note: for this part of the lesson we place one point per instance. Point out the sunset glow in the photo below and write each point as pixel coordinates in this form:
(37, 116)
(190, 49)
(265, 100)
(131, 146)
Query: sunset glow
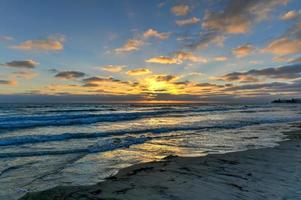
(150, 51)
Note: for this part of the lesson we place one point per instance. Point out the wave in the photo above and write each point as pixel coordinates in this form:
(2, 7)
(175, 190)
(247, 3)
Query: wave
(30, 139)
(106, 145)
(102, 109)
(80, 110)
(20, 122)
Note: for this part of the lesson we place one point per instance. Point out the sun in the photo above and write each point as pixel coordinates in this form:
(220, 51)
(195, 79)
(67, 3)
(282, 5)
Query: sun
(155, 86)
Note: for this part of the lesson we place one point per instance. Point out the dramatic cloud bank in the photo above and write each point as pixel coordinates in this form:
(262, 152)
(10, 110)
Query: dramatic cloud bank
(285, 72)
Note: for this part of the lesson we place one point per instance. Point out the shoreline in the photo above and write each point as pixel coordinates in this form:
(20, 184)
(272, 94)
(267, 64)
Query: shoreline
(267, 173)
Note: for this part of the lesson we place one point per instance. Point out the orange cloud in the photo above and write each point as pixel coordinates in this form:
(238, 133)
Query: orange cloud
(190, 21)
(111, 85)
(284, 46)
(8, 82)
(180, 10)
(163, 60)
(243, 50)
(183, 56)
(178, 58)
(63, 88)
(220, 58)
(113, 68)
(139, 71)
(292, 14)
(153, 33)
(49, 44)
(130, 45)
(232, 26)
(283, 59)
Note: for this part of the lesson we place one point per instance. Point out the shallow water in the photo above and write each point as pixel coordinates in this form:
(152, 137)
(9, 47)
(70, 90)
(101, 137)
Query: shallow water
(71, 144)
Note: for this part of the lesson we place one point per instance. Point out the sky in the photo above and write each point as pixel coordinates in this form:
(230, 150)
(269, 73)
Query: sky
(150, 51)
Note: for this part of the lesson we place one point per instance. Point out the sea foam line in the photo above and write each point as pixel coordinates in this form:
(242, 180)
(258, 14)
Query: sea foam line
(107, 145)
(14, 123)
(29, 139)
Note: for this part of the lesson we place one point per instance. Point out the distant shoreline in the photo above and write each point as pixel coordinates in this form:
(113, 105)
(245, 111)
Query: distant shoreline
(287, 101)
(266, 173)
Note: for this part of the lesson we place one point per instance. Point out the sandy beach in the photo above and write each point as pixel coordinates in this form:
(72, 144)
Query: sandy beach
(268, 173)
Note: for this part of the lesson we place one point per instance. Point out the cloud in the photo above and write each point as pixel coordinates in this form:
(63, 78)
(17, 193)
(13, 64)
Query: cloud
(166, 78)
(111, 86)
(53, 70)
(29, 64)
(267, 88)
(49, 44)
(189, 56)
(294, 31)
(130, 45)
(256, 86)
(287, 59)
(164, 88)
(161, 83)
(296, 60)
(113, 68)
(189, 21)
(178, 58)
(239, 15)
(36, 97)
(238, 77)
(220, 58)
(136, 44)
(4, 38)
(25, 74)
(243, 50)
(255, 62)
(195, 74)
(163, 60)
(282, 59)
(162, 4)
(98, 80)
(284, 46)
(8, 82)
(288, 43)
(139, 71)
(153, 33)
(205, 39)
(180, 10)
(289, 72)
(292, 14)
(70, 75)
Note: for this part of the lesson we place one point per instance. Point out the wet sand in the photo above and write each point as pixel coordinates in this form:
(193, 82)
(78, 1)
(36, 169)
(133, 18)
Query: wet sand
(269, 173)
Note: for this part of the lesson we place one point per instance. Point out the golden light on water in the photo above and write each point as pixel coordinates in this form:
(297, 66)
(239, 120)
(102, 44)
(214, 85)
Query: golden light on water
(162, 121)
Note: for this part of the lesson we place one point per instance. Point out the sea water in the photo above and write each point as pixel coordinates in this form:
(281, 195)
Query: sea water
(45, 145)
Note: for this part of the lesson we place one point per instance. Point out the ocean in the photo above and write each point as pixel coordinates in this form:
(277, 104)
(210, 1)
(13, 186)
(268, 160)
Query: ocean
(45, 145)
